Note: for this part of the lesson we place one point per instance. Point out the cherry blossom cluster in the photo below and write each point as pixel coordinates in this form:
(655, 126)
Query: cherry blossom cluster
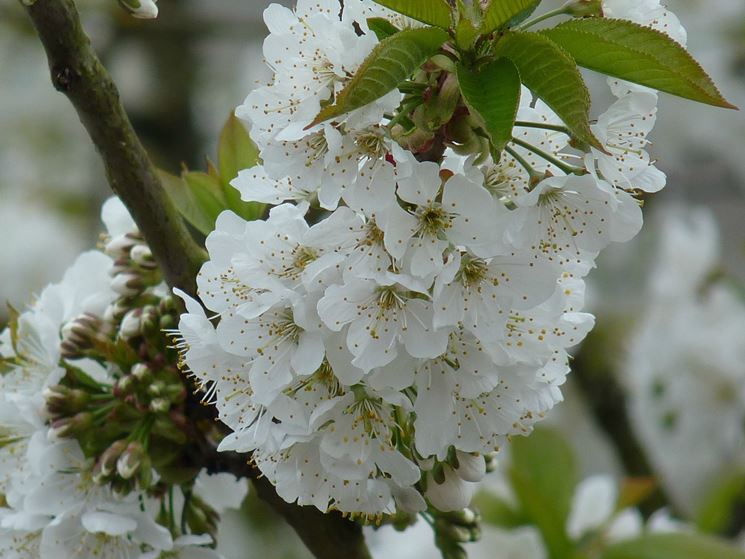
(683, 368)
(409, 303)
(89, 419)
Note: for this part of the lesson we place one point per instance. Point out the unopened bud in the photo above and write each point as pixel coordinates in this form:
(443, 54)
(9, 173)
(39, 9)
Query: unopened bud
(110, 457)
(62, 400)
(443, 62)
(119, 246)
(70, 427)
(167, 305)
(150, 321)
(127, 285)
(70, 350)
(143, 9)
(141, 372)
(453, 532)
(145, 477)
(130, 460)
(85, 331)
(464, 517)
(447, 98)
(131, 325)
(167, 322)
(143, 257)
(160, 405)
(124, 386)
(585, 8)
(413, 140)
(115, 311)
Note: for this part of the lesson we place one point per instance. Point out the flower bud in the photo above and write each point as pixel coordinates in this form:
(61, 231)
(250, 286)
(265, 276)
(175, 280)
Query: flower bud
(168, 322)
(115, 311)
(70, 427)
(143, 9)
(160, 405)
(118, 247)
(143, 257)
(447, 98)
(452, 532)
(131, 325)
(413, 140)
(130, 460)
(452, 494)
(145, 476)
(85, 332)
(124, 386)
(62, 400)
(464, 517)
(141, 373)
(128, 285)
(470, 467)
(108, 460)
(150, 321)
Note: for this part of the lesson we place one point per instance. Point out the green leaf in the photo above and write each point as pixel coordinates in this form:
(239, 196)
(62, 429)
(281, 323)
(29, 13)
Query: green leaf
(236, 151)
(197, 196)
(493, 93)
(506, 13)
(382, 27)
(672, 546)
(543, 475)
(433, 12)
(391, 63)
(548, 71)
(498, 512)
(716, 513)
(638, 54)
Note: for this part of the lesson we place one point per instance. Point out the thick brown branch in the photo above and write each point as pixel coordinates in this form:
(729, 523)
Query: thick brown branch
(78, 73)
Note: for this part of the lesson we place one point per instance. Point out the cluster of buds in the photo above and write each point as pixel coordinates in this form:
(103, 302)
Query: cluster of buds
(85, 335)
(135, 269)
(133, 425)
(126, 466)
(454, 529)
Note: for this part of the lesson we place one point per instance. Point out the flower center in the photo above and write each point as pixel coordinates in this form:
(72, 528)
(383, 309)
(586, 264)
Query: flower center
(433, 220)
(472, 271)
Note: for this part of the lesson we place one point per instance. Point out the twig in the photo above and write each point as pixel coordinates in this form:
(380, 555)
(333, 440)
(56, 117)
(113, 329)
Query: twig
(78, 73)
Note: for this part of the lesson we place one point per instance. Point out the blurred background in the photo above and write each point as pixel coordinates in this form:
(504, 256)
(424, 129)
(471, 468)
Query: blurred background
(678, 285)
